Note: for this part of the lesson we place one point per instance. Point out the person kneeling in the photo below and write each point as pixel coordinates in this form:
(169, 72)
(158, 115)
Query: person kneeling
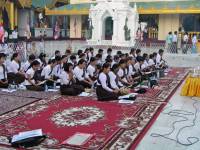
(3, 74)
(68, 82)
(104, 90)
(33, 82)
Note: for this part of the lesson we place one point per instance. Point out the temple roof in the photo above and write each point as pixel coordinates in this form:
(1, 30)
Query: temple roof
(167, 7)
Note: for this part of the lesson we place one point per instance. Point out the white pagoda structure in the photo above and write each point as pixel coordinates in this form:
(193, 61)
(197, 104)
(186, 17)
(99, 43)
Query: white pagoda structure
(113, 22)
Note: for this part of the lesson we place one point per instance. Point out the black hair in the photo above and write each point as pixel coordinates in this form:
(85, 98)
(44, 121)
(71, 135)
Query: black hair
(138, 51)
(122, 55)
(108, 60)
(57, 52)
(64, 56)
(151, 56)
(116, 57)
(68, 51)
(98, 56)
(79, 52)
(114, 67)
(87, 49)
(35, 63)
(72, 57)
(100, 51)
(81, 61)
(66, 66)
(160, 51)
(122, 61)
(98, 66)
(91, 49)
(51, 61)
(81, 55)
(119, 52)
(2, 55)
(14, 56)
(109, 57)
(92, 59)
(105, 65)
(154, 54)
(132, 50)
(58, 58)
(139, 58)
(129, 58)
(31, 57)
(41, 56)
(109, 50)
(145, 55)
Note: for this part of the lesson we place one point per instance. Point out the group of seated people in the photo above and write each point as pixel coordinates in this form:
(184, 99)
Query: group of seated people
(74, 73)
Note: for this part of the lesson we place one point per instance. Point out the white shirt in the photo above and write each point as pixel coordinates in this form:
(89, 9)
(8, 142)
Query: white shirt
(113, 81)
(174, 38)
(130, 70)
(57, 70)
(103, 82)
(151, 62)
(145, 65)
(14, 34)
(30, 73)
(122, 74)
(91, 70)
(47, 72)
(194, 40)
(64, 78)
(185, 38)
(137, 66)
(2, 76)
(26, 66)
(79, 74)
(13, 67)
(158, 59)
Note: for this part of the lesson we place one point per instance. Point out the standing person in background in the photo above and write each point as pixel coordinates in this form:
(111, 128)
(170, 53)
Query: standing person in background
(185, 43)
(57, 31)
(179, 44)
(175, 41)
(15, 37)
(169, 42)
(194, 44)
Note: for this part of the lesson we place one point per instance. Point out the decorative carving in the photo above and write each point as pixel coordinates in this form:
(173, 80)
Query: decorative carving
(127, 31)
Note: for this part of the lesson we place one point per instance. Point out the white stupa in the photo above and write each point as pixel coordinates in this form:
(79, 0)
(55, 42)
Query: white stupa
(123, 23)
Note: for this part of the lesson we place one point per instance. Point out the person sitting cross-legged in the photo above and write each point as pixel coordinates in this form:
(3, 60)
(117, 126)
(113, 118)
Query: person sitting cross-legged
(3, 72)
(104, 90)
(33, 81)
(68, 82)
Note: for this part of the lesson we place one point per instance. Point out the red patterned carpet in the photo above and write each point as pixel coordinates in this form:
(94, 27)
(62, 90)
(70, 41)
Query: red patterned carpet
(114, 126)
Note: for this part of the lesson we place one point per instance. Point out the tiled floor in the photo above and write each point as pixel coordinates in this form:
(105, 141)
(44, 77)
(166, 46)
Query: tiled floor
(163, 125)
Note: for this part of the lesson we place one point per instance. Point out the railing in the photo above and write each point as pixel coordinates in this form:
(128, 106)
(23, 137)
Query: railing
(153, 33)
(192, 33)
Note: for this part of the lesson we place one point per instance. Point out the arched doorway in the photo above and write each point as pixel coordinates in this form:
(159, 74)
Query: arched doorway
(108, 28)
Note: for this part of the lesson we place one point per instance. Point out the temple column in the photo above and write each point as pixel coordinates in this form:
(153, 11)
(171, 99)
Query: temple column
(115, 30)
(75, 26)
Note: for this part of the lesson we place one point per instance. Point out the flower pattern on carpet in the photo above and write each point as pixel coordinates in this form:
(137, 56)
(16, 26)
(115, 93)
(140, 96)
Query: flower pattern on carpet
(77, 116)
(119, 126)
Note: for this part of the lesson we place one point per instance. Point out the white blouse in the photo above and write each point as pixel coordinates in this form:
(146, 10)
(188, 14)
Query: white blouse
(103, 82)
(79, 74)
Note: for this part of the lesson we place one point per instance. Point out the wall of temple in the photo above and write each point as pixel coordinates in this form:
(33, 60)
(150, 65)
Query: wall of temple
(166, 24)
